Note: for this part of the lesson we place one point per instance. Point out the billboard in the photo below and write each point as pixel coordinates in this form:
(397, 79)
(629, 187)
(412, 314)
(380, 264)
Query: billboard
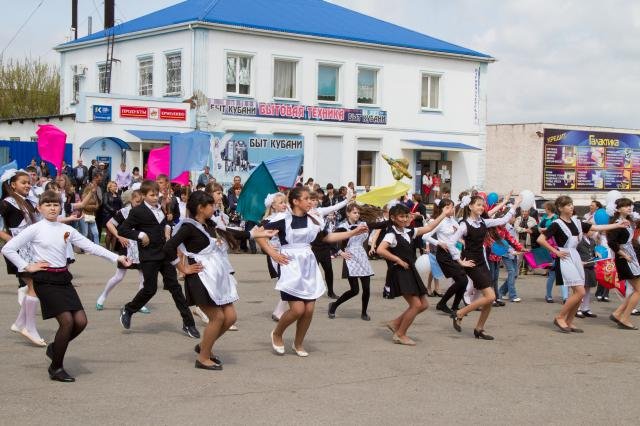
(237, 154)
(577, 160)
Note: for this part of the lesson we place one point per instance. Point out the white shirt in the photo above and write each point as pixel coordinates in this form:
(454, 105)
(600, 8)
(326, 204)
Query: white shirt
(489, 223)
(123, 179)
(49, 244)
(157, 211)
(391, 237)
(445, 230)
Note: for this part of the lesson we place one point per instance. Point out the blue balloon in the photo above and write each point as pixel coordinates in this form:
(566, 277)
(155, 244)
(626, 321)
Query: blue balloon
(492, 198)
(602, 251)
(601, 217)
(499, 248)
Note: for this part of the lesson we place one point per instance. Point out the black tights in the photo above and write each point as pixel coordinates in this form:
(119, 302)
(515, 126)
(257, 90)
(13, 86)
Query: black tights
(353, 292)
(458, 287)
(325, 262)
(70, 325)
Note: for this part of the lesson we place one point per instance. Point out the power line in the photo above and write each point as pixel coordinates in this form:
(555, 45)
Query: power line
(97, 9)
(21, 27)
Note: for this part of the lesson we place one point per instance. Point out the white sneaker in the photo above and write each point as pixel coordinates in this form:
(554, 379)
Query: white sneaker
(517, 300)
(233, 327)
(197, 311)
(505, 297)
(22, 293)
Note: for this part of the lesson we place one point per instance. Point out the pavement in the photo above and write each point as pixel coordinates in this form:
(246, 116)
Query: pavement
(531, 373)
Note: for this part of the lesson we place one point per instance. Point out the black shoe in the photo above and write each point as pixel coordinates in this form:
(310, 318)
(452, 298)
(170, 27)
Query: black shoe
(500, 303)
(365, 317)
(614, 319)
(480, 335)
(212, 358)
(60, 375)
(49, 351)
(442, 307)
(549, 299)
(562, 329)
(332, 296)
(208, 367)
(332, 312)
(191, 331)
(627, 327)
(635, 312)
(580, 314)
(125, 318)
(605, 299)
(456, 321)
(589, 314)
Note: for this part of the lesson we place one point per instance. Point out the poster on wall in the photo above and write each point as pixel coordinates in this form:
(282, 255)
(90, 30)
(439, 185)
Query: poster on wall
(238, 153)
(590, 161)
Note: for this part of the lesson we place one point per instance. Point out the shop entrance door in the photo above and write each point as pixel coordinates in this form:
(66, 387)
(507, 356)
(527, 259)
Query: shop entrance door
(432, 163)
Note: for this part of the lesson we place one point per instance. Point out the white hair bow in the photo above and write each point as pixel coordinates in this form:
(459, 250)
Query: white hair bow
(465, 201)
(269, 199)
(8, 174)
(611, 209)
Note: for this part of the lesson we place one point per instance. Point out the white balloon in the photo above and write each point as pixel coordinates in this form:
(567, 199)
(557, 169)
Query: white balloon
(528, 199)
(423, 266)
(613, 196)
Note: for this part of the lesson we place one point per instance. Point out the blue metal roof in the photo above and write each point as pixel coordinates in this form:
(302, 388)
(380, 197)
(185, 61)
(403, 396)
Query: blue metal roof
(306, 17)
(153, 135)
(446, 145)
(91, 142)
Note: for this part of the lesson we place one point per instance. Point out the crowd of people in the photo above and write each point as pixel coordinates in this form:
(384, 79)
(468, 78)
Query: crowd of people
(186, 232)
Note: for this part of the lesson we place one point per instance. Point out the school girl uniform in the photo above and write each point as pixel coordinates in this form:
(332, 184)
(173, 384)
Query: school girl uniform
(621, 240)
(322, 250)
(15, 221)
(48, 242)
(300, 279)
(587, 251)
(399, 280)
(215, 285)
(567, 235)
(474, 233)
(272, 266)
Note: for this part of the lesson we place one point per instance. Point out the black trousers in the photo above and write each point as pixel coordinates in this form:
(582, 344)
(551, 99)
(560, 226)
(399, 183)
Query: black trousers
(324, 260)
(150, 270)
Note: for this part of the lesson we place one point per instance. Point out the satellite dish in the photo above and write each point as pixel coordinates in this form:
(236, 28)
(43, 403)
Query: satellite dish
(214, 117)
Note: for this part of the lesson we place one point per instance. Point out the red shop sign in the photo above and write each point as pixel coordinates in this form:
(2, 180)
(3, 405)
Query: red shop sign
(173, 114)
(134, 111)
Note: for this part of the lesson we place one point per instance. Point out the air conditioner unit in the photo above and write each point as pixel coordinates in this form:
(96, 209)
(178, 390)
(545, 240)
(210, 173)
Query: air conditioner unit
(79, 70)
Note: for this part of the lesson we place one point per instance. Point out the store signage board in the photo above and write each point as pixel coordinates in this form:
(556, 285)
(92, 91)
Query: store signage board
(238, 107)
(576, 160)
(153, 113)
(102, 113)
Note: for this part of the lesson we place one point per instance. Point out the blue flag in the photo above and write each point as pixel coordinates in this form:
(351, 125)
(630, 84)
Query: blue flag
(284, 170)
(258, 186)
(189, 151)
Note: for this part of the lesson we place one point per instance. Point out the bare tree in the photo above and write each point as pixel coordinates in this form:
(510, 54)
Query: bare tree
(28, 88)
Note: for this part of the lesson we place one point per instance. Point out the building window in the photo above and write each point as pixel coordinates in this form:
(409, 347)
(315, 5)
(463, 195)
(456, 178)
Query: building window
(238, 75)
(174, 74)
(366, 162)
(430, 91)
(102, 78)
(76, 89)
(367, 86)
(34, 139)
(145, 72)
(328, 79)
(284, 79)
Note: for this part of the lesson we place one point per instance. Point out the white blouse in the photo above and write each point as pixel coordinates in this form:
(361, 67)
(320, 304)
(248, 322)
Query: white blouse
(489, 223)
(49, 244)
(445, 230)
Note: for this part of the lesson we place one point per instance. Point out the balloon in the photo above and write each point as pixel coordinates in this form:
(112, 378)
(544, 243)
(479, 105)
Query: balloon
(459, 246)
(528, 199)
(613, 196)
(492, 199)
(499, 248)
(602, 251)
(483, 195)
(423, 266)
(601, 217)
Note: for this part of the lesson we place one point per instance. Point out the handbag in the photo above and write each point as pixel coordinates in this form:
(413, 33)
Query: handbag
(89, 218)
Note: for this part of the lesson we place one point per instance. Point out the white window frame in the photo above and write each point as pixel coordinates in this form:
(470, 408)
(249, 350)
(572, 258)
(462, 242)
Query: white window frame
(378, 69)
(298, 74)
(166, 56)
(252, 78)
(98, 65)
(440, 76)
(340, 82)
(140, 59)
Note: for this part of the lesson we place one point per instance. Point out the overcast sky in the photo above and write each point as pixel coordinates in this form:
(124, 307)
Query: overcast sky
(559, 61)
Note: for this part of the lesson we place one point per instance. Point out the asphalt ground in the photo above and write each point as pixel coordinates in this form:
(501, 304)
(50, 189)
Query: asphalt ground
(531, 373)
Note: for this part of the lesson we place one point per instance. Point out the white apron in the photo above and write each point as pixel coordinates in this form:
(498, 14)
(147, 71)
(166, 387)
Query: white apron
(628, 248)
(26, 252)
(132, 246)
(216, 275)
(358, 265)
(571, 267)
(301, 277)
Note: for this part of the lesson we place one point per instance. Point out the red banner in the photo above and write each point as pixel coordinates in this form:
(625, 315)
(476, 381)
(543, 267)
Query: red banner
(173, 114)
(134, 111)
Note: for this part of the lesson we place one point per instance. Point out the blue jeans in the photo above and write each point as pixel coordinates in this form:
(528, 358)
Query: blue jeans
(85, 228)
(509, 286)
(494, 270)
(551, 280)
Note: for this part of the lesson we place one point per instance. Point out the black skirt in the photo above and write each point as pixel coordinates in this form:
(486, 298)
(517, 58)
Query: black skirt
(480, 276)
(56, 293)
(404, 281)
(450, 268)
(624, 272)
(196, 293)
(286, 297)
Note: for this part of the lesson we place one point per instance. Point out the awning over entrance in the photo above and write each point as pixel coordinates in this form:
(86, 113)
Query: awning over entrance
(153, 135)
(98, 139)
(449, 146)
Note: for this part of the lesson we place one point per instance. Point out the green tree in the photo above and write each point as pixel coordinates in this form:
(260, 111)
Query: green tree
(28, 88)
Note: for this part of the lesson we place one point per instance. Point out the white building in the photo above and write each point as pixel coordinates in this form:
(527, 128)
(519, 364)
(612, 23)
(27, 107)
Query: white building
(349, 86)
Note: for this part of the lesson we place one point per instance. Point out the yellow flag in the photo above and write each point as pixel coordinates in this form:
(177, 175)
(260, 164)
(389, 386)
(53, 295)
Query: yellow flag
(381, 196)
